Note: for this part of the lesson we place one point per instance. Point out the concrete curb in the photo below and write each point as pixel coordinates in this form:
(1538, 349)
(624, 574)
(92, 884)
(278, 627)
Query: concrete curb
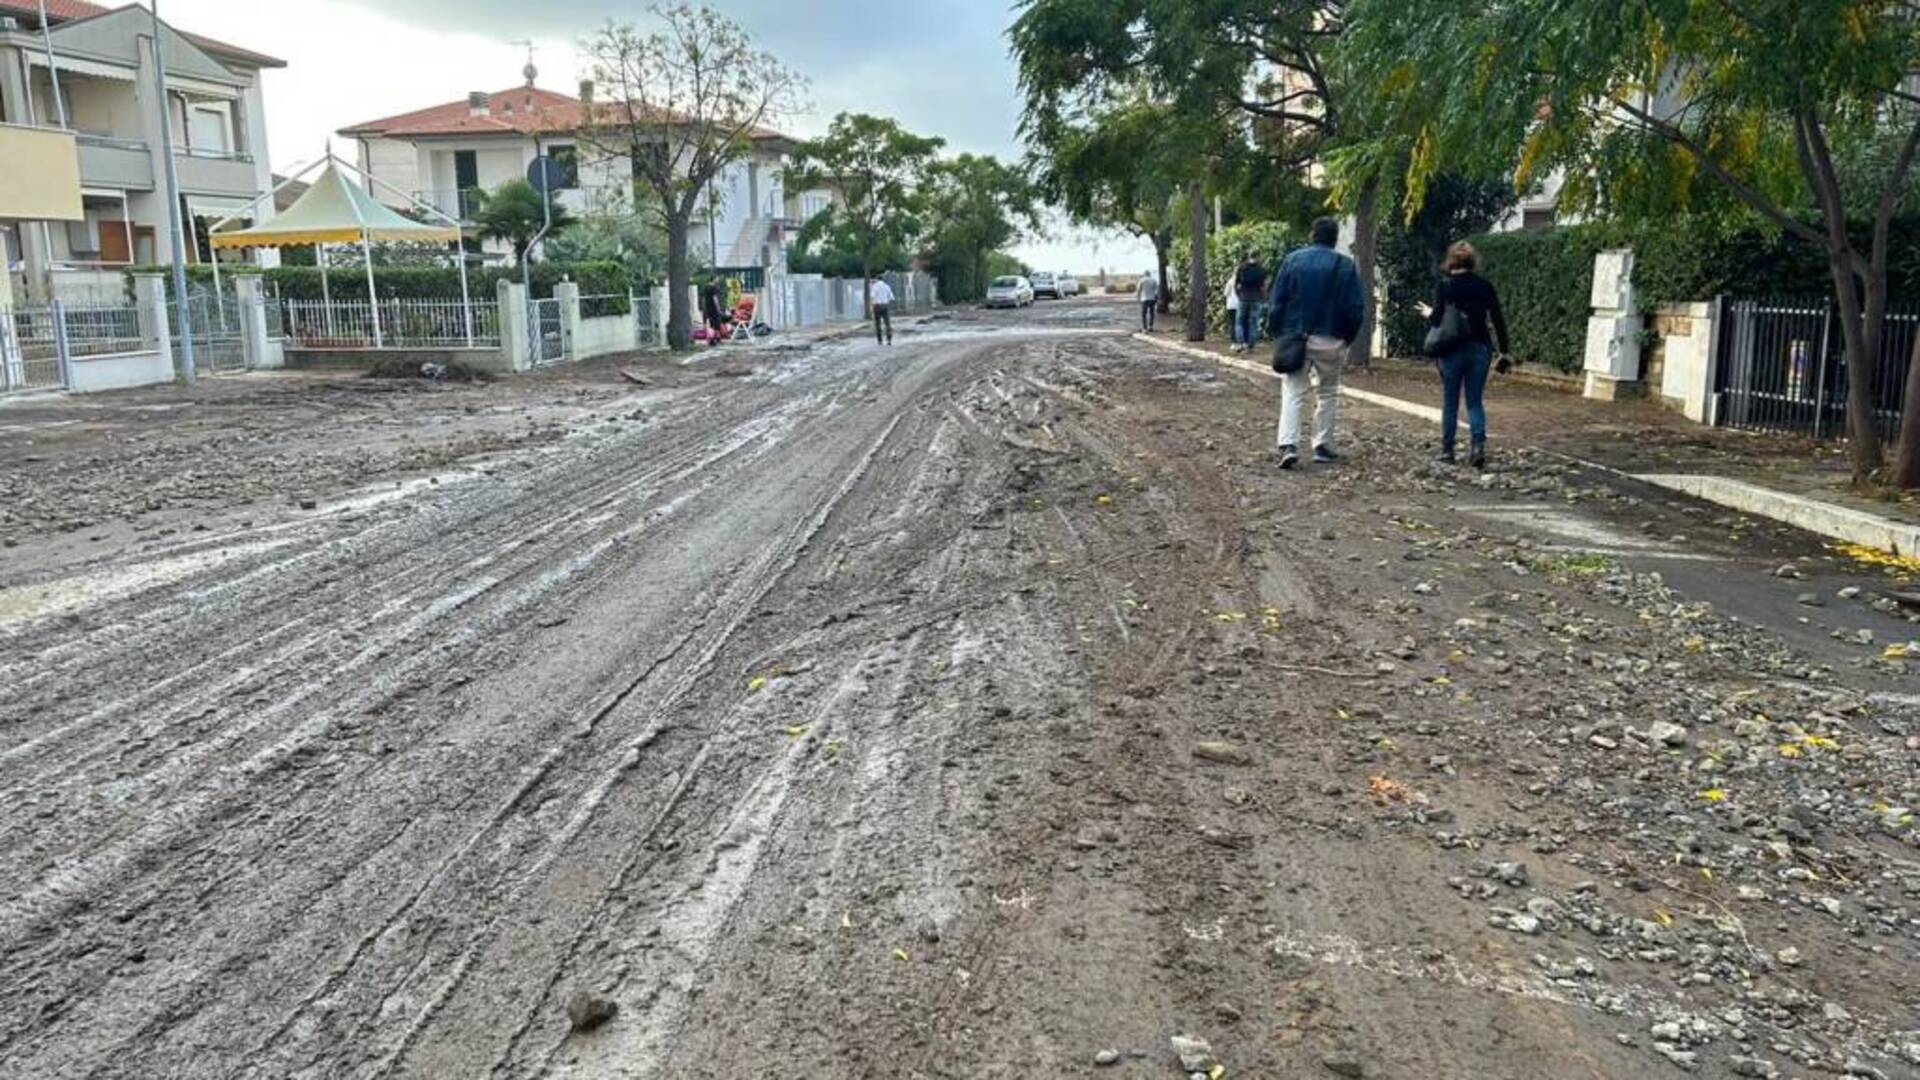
(1820, 518)
(1826, 519)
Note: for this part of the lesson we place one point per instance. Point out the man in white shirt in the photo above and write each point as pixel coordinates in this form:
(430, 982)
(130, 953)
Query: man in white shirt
(881, 296)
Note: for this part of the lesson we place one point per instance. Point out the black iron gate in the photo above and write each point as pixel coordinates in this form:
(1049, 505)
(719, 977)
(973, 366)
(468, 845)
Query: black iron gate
(1780, 366)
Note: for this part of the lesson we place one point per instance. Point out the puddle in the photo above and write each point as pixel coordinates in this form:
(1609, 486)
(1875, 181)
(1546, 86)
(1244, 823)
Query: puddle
(27, 603)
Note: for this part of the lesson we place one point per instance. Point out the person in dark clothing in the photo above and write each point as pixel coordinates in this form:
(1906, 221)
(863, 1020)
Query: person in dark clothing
(711, 313)
(1317, 294)
(1250, 288)
(1465, 369)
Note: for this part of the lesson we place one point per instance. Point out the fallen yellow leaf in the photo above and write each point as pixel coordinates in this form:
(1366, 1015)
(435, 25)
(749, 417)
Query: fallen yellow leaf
(846, 920)
(1714, 795)
(901, 955)
(755, 684)
(796, 731)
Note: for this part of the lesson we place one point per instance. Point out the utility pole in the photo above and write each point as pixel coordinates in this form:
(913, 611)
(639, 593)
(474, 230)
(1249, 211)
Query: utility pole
(183, 310)
(53, 66)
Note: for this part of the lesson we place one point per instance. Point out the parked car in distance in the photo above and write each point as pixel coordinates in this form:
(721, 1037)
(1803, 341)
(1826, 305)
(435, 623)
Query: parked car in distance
(1044, 285)
(1067, 284)
(1011, 291)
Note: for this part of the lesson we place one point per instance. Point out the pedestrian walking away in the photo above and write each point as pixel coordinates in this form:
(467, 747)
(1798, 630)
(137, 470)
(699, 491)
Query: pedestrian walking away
(1233, 318)
(1316, 296)
(1249, 289)
(1466, 318)
(1148, 293)
(881, 296)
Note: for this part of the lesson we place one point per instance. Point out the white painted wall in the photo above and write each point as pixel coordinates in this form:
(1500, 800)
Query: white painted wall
(93, 374)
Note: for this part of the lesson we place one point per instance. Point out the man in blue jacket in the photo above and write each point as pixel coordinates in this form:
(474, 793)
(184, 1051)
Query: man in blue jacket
(1317, 293)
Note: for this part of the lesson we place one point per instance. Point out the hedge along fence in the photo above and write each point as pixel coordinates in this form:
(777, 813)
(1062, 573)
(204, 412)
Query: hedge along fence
(1268, 241)
(1545, 278)
(421, 282)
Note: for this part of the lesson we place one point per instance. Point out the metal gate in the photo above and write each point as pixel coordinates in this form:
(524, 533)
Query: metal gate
(29, 355)
(545, 332)
(218, 333)
(1780, 366)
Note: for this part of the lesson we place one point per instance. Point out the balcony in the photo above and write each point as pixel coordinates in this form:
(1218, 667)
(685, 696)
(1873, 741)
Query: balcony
(110, 162)
(205, 172)
(459, 205)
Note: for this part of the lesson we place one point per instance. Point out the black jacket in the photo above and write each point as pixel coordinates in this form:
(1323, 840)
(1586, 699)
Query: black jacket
(1250, 279)
(1475, 296)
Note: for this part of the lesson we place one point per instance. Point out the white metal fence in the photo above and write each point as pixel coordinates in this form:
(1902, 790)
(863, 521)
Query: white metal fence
(38, 343)
(795, 301)
(404, 324)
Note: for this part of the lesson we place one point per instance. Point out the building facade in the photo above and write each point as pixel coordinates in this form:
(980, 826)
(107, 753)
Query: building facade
(102, 63)
(447, 155)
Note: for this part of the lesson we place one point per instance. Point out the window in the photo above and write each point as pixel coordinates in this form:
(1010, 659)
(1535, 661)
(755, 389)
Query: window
(466, 170)
(568, 158)
(209, 132)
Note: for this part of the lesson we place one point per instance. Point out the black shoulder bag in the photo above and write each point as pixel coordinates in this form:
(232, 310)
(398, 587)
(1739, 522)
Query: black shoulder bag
(1454, 331)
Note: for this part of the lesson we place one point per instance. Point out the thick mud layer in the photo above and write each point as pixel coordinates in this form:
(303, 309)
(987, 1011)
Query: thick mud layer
(987, 706)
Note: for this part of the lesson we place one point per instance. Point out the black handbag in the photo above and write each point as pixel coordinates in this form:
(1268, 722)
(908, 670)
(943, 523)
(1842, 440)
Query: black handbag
(1289, 354)
(1454, 331)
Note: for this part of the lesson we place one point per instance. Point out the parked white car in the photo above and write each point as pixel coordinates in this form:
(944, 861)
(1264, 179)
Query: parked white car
(1067, 284)
(1011, 291)
(1044, 285)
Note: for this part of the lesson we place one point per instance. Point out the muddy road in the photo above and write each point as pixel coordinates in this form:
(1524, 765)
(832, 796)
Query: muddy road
(985, 706)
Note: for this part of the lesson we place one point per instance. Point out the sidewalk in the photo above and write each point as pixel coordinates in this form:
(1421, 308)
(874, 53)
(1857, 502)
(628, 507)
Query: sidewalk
(1780, 477)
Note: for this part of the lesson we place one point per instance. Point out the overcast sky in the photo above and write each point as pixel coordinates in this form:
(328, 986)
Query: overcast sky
(938, 66)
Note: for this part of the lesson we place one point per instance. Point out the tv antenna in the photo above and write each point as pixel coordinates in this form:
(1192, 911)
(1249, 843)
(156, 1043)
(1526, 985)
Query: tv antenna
(530, 71)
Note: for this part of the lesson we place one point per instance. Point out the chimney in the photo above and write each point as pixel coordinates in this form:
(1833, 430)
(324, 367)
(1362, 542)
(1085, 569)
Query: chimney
(586, 91)
(477, 103)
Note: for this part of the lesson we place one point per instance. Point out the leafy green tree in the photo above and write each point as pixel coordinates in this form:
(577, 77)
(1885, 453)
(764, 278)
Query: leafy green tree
(1259, 79)
(1119, 167)
(514, 212)
(977, 205)
(632, 239)
(873, 167)
(682, 105)
(1652, 107)
(1412, 250)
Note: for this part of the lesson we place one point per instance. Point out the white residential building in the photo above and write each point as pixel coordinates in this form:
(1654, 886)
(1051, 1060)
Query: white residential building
(103, 61)
(441, 155)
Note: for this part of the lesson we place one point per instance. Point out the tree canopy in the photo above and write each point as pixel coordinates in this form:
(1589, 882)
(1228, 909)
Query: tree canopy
(874, 168)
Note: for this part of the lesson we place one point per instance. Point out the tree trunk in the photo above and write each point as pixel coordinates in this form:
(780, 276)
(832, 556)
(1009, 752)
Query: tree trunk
(866, 284)
(1162, 243)
(1197, 265)
(1906, 470)
(679, 279)
(980, 273)
(1862, 343)
(1366, 256)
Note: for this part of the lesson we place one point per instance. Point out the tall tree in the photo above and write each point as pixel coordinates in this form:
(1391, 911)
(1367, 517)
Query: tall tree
(977, 205)
(1662, 101)
(683, 103)
(1118, 167)
(1270, 65)
(874, 168)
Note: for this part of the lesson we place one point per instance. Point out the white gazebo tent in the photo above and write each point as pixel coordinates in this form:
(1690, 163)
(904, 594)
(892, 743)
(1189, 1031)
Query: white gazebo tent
(336, 211)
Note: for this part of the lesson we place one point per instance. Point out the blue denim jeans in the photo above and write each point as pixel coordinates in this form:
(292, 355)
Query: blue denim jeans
(1465, 370)
(1246, 322)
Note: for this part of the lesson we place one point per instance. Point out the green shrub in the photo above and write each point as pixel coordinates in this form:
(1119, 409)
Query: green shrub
(1545, 278)
(1269, 241)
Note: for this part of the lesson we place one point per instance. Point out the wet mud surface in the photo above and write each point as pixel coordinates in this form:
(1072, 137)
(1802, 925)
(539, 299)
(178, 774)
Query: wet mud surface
(987, 706)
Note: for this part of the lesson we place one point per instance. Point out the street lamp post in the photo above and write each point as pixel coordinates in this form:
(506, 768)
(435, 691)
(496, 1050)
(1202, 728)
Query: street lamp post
(171, 175)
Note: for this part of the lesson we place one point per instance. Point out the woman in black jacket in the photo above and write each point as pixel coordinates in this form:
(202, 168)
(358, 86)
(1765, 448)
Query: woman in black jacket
(1465, 368)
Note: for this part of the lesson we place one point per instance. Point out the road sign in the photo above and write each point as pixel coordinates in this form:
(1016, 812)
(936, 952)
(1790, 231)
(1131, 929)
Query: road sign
(546, 175)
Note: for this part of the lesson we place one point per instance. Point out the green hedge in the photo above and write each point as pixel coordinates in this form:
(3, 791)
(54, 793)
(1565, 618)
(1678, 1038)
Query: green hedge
(1545, 278)
(422, 282)
(1269, 241)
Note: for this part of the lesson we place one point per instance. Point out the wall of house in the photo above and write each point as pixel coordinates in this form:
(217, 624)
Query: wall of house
(396, 163)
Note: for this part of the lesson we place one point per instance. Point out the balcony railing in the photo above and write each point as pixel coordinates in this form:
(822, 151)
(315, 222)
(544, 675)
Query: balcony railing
(210, 154)
(461, 205)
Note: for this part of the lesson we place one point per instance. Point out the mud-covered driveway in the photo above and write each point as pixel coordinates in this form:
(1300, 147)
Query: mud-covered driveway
(986, 706)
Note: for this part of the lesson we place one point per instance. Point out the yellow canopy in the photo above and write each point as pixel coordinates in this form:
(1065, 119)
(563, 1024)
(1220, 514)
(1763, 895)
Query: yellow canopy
(334, 211)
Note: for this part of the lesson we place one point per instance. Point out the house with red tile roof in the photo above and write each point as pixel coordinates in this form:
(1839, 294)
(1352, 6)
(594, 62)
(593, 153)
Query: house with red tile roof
(98, 83)
(443, 155)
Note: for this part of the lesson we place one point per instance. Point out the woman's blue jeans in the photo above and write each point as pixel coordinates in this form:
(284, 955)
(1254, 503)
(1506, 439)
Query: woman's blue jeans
(1464, 371)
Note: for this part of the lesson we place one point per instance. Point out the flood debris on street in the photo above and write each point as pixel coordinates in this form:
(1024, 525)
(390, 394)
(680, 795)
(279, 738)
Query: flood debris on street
(985, 705)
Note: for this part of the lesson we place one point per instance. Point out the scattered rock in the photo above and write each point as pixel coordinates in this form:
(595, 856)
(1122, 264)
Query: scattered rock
(1667, 733)
(1788, 957)
(588, 1011)
(1194, 1054)
(1222, 753)
(1343, 1065)
(1107, 1057)
(1811, 599)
